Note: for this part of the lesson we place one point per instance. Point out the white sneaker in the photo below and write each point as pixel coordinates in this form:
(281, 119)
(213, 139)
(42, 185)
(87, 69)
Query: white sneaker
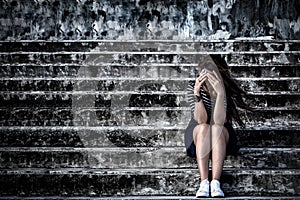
(203, 190)
(215, 189)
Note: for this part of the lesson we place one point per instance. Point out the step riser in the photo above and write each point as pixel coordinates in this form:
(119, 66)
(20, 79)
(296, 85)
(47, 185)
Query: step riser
(135, 138)
(64, 99)
(163, 46)
(71, 117)
(167, 57)
(133, 85)
(185, 183)
(150, 71)
(273, 101)
(265, 71)
(135, 158)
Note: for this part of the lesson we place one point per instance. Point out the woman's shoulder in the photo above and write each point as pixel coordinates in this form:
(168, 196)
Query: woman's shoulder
(190, 85)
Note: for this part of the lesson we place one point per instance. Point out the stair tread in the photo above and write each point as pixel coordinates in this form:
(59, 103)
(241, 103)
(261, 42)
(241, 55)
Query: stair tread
(129, 127)
(154, 197)
(139, 171)
(105, 182)
(134, 149)
(103, 64)
(140, 157)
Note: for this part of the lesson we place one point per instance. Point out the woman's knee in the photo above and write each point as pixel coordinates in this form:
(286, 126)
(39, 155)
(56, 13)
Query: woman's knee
(200, 131)
(202, 128)
(219, 131)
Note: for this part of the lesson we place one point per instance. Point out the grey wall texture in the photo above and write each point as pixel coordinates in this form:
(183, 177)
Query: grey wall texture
(175, 20)
(93, 96)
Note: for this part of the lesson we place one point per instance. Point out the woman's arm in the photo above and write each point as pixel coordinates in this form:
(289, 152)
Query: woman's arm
(219, 114)
(200, 114)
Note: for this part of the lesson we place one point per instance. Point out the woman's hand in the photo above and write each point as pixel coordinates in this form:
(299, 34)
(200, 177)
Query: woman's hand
(215, 82)
(199, 81)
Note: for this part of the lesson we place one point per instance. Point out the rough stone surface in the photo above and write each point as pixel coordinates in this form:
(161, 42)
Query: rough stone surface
(53, 101)
(126, 157)
(208, 19)
(88, 137)
(85, 182)
(93, 96)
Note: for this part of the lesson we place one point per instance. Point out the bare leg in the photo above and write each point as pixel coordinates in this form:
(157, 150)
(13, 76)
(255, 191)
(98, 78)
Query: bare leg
(202, 141)
(220, 139)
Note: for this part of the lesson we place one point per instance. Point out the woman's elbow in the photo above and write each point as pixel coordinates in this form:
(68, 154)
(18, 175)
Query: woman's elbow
(200, 118)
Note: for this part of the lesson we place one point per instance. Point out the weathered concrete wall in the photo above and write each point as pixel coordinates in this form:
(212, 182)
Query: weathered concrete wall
(148, 19)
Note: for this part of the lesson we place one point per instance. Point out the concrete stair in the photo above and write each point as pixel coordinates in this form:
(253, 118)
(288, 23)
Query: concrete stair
(105, 182)
(153, 197)
(106, 119)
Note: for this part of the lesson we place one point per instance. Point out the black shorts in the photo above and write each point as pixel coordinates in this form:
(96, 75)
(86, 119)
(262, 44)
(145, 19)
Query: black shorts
(232, 147)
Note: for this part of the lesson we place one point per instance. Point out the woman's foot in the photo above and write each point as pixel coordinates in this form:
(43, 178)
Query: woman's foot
(203, 190)
(215, 189)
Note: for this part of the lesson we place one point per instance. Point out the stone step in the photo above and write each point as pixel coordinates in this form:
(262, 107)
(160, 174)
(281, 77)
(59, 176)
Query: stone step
(141, 157)
(142, 84)
(155, 197)
(44, 55)
(122, 96)
(77, 81)
(140, 117)
(94, 58)
(272, 99)
(151, 45)
(200, 54)
(112, 136)
(118, 108)
(110, 182)
(262, 59)
(265, 71)
(160, 71)
(109, 99)
(179, 66)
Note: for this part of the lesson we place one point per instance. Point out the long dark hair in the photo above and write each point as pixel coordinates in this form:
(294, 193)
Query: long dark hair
(234, 93)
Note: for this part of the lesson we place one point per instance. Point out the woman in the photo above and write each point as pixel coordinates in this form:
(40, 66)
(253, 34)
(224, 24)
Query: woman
(213, 98)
